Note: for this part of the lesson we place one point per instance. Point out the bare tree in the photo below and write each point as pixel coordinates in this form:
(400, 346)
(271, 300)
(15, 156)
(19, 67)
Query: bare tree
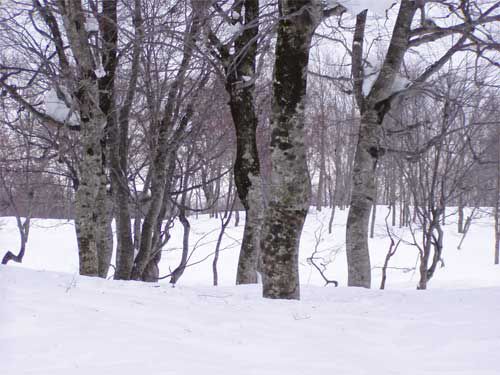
(375, 101)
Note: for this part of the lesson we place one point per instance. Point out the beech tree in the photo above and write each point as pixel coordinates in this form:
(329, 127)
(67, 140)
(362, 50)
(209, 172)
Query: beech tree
(290, 186)
(236, 54)
(379, 88)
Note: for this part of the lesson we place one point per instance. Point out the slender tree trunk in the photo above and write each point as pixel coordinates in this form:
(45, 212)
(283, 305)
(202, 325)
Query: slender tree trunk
(23, 228)
(177, 273)
(373, 108)
(322, 165)
(179, 270)
(240, 74)
(362, 199)
(119, 163)
(461, 214)
(224, 223)
(105, 231)
(374, 212)
(167, 137)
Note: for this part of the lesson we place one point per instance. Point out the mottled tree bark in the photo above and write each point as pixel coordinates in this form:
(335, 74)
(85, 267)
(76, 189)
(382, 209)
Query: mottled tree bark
(239, 67)
(290, 188)
(93, 120)
(109, 35)
(179, 270)
(362, 199)
(373, 107)
(104, 231)
(86, 197)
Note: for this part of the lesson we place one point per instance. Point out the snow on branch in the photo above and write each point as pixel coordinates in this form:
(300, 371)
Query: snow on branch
(56, 107)
(357, 6)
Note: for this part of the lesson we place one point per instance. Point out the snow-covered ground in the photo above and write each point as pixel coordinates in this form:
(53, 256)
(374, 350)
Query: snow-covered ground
(53, 321)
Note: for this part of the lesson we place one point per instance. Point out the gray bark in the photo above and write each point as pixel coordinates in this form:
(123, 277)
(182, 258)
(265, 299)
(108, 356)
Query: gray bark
(167, 136)
(119, 163)
(179, 270)
(104, 232)
(290, 189)
(373, 108)
(247, 177)
(93, 121)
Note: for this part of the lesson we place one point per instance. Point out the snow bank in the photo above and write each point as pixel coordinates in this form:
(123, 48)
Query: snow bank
(62, 324)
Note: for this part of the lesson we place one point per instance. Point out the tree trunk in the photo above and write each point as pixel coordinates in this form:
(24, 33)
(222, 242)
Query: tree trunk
(373, 107)
(177, 273)
(247, 167)
(290, 189)
(104, 231)
(362, 199)
(23, 228)
(374, 212)
(87, 199)
(322, 169)
(119, 163)
(168, 140)
(461, 213)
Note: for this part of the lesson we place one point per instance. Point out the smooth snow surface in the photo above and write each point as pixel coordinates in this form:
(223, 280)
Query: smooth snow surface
(59, 323)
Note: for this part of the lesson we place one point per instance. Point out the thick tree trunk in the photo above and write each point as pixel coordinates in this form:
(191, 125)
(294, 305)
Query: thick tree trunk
(290, 188)
(93, 121)
(87, 198)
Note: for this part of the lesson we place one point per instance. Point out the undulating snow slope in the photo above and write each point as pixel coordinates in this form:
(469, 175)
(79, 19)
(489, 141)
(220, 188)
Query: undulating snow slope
(55, 323)
(59, 324)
